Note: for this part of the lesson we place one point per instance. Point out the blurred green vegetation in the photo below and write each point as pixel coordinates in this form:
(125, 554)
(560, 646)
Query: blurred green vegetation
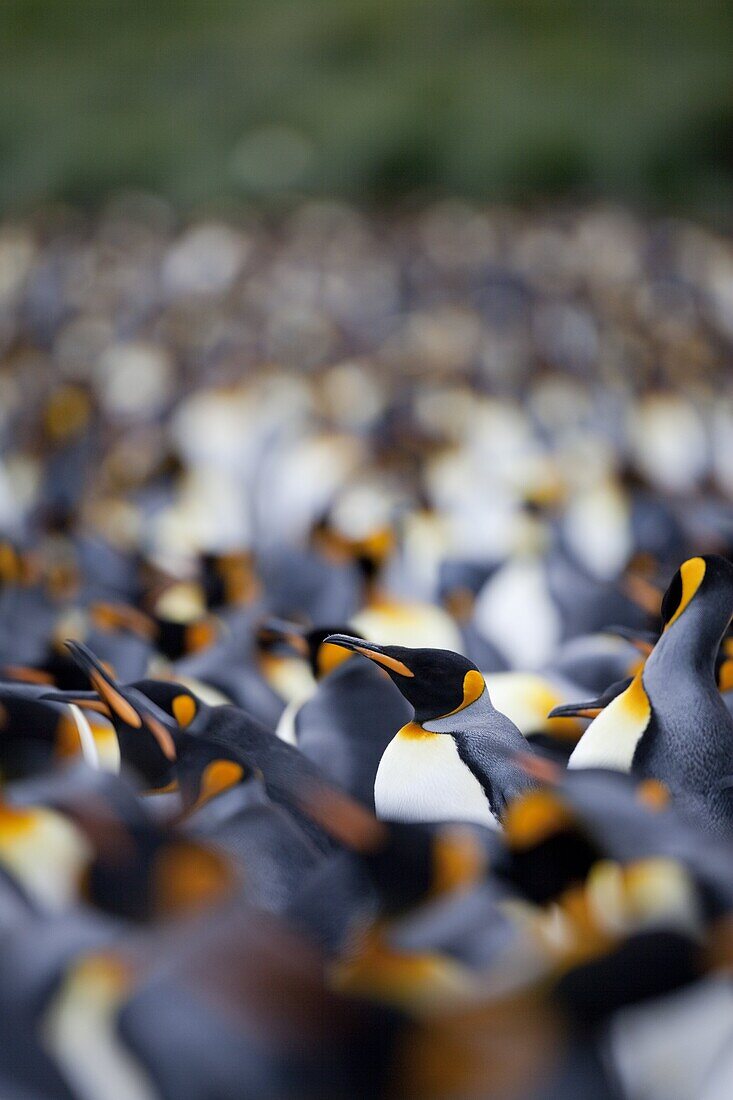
(499, 99)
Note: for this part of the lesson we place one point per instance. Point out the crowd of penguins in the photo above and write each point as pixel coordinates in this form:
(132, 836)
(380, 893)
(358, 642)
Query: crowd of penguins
(366, 674)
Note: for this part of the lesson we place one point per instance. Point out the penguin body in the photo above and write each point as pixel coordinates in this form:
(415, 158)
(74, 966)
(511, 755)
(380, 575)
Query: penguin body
(34, 957)
(274, 854)
(229, 808)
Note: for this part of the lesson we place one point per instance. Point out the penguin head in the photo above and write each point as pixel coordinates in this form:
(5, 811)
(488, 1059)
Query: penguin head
(228, 579)
(705, 584)
(176, 701)
(436, 682)
(311, 644)
(176, 639)
(145, 732)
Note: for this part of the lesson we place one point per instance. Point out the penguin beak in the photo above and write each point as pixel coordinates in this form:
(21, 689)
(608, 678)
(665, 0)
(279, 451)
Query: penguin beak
(590, 709)
(593, 707)
(120, 702)
(88, 700)
(279, 630)
(379, 654)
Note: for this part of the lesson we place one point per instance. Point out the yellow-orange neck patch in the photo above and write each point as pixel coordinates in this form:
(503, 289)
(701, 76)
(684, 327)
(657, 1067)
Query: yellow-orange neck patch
(635, 701)
(413, 731)
(692, 572)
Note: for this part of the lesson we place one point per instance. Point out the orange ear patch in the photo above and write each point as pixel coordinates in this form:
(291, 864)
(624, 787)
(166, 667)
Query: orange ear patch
(68, 742)
(473, 688)
(200, 635)
(184, 709)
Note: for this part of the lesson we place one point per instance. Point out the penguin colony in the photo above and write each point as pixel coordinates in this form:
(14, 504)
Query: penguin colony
(366, 669)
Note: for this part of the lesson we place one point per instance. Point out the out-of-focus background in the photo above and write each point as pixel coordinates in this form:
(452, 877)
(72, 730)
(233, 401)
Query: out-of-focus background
(272, 265)
(367, 99)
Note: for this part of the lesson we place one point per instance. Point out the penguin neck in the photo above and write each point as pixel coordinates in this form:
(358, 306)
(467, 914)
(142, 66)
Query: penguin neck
(479, 731)
(474, 716)
(686, 651)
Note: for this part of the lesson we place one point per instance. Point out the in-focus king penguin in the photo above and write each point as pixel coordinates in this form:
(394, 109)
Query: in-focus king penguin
(454, 760)
(671, 722)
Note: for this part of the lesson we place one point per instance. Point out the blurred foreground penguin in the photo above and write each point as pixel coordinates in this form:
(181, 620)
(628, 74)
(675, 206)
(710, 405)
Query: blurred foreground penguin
(453, 762)
(671, 722)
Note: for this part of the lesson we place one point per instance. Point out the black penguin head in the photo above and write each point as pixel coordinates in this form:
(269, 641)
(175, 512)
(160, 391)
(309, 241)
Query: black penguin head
(708, 581)
(180, 639)
(145, 732)
(177, 701)
(437, 682)
(311, 644)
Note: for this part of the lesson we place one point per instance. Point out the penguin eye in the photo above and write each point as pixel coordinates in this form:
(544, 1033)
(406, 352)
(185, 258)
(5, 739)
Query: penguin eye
(672, 597)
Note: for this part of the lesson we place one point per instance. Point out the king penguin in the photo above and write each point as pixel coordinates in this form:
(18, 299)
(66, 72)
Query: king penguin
(453, 761)
(671, 722)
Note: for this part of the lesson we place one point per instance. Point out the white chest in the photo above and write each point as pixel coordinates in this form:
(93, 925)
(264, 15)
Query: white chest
(424, 779)
(611, 739)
